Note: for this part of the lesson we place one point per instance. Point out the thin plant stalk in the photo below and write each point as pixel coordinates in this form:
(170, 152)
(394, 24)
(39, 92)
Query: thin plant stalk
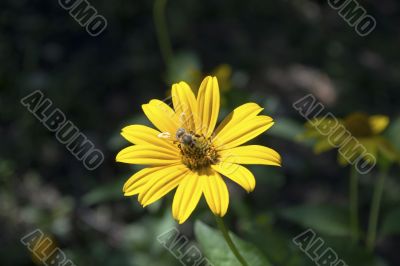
(354, 223)
(160, 22)
(228, 239)
(374, 213)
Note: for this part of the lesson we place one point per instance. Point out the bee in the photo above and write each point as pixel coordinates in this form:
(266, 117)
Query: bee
(185, 138)
(180, 132)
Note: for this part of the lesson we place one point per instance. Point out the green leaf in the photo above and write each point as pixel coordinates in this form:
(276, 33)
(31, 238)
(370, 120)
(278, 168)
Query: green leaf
(217, 251)
(328, 220)
(351, 254)
(274, 242)
(391, 223)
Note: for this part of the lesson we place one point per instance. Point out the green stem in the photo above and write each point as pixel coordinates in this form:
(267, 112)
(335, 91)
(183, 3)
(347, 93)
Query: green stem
(228, 239)
(160, 22)
(354, 204)
(374, 213)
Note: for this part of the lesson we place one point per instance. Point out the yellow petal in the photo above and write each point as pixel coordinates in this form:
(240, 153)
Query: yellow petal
(136, 182)
(237, 173)
(186, 197)
(251, 154)
(243, 132)
(378, 123)
(138, 134)
(371, 144)
(311, 133)
(215, 192)
(148, 155)
(322, 145)
(350, 151)
(162, 182)
(241, 113)
(208, 105)
(161, 115)
(185, 105)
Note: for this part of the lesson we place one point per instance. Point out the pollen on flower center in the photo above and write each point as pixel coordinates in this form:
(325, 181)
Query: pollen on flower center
(197, 151)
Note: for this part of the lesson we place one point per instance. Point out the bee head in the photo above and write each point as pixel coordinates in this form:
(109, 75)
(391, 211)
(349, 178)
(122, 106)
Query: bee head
(180, 132)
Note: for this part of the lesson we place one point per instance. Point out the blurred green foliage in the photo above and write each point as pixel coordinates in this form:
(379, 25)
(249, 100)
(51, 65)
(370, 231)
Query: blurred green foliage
(271, 52)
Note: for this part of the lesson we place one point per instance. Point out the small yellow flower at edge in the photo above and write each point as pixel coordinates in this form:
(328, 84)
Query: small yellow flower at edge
(366, 129)
(188, 153)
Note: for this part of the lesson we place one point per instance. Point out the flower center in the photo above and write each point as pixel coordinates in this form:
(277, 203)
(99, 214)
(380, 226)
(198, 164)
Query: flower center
(197, 151)
(358, 125)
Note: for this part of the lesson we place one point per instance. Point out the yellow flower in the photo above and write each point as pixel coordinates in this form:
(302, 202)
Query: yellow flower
(186, 152)
(366, 131)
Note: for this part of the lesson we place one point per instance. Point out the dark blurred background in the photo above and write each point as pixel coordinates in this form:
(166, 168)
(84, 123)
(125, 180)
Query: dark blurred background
(269, 52)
